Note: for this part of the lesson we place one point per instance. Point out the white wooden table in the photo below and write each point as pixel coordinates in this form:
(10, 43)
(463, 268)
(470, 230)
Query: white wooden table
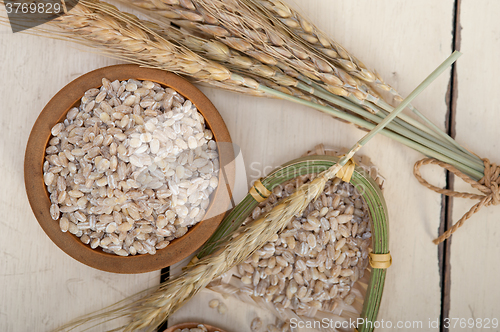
(41, 287)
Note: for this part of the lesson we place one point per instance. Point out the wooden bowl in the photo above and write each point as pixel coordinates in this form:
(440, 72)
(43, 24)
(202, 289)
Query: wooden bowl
(55, 112)
(191, 326)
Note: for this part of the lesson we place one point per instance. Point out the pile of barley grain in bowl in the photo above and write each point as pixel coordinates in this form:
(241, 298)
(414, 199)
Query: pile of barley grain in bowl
(313, 264)
(131, 168)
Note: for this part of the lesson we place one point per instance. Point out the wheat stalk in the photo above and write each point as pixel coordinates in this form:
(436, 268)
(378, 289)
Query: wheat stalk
(137, 35)
(121, 35)
(370, 96)
(234, 60)
(102, 26)
(243, 25)
(235, 24)
(151, 310)
(245, 32)
(302, 29)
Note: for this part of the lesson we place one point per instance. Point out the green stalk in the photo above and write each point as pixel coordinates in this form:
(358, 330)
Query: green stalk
(378, 105)
(452, 151)
(427, 141)
(409, 122)
(368, 125)
(438, 131)
(405, 126)
(404, 120)
(410, 127)
(450, 147)
(438, 71)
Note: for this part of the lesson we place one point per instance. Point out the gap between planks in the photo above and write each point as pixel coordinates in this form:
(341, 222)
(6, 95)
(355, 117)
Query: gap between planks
(164, 276)
(444, 249)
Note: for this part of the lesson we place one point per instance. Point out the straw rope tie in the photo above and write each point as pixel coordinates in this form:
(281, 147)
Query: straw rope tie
(259, 192)
(346, 171)
(380, 261)
(488, 185)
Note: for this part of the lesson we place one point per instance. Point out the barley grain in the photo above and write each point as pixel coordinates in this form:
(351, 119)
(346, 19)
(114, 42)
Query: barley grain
(305, 265)
(121, 166)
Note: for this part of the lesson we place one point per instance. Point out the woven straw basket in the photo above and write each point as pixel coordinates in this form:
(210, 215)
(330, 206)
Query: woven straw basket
(369, 288)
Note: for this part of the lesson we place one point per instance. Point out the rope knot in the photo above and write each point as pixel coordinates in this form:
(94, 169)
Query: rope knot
(491, 181)
(488, 186)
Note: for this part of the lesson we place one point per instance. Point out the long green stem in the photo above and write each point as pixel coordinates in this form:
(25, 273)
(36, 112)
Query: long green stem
(405, 121)
(439, 132)
(439, 140)
(426, 140)
(384, 106)
(352, 104)
(408, 121)
(368, 125)
(405, 126)
(410, 126)
(453, 152)
(438, 71)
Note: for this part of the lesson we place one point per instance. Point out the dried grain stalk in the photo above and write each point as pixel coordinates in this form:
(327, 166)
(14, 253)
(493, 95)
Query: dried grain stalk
(237, 61)
(151, 310)
(250, 28)
(244, 17)
(304, 30)
(271, 81)
(235, 24)
(120, 35)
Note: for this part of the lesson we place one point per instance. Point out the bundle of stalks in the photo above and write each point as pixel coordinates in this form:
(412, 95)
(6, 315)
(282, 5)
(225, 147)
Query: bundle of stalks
(241, 69)
(275, 35)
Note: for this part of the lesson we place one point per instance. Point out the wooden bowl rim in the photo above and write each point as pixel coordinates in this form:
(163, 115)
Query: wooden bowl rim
(191, 325)
(55, 111)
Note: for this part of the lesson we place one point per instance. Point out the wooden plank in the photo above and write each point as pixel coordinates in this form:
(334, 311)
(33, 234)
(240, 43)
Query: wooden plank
(42, 287)
(474, 248)
(46, 288)
(404, 43)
